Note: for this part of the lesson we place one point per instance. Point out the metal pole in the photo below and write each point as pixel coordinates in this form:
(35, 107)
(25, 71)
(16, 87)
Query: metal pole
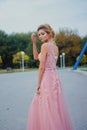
(22, 60)
(63, 54)
(80, 56)
(61, 61)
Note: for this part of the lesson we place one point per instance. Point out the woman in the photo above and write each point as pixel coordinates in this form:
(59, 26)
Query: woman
(48, 110)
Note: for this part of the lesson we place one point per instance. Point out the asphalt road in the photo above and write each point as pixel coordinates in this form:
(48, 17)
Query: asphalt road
(18, 89)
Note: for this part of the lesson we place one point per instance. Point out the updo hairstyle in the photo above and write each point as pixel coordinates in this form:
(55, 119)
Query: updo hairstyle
(47, 28)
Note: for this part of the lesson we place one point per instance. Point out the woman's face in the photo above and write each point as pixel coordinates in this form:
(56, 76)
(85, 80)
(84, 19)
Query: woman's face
(43, 36)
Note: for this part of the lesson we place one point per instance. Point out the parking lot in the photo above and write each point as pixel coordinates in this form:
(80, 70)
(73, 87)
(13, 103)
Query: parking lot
(18, 89)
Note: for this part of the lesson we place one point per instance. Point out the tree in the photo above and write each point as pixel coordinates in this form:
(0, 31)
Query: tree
(0, 61)
(69, 43)
(84, 60)
(17, 58)
(10, 44)
(29, 50)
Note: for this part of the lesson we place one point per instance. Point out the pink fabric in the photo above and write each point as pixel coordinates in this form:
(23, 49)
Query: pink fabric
(48, 110)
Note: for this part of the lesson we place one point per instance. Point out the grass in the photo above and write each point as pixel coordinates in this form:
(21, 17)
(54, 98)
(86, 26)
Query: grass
(83, 68)
(3, 71)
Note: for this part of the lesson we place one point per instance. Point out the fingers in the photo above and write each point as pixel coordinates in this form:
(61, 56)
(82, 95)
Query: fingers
(38, 91)
(33, 37)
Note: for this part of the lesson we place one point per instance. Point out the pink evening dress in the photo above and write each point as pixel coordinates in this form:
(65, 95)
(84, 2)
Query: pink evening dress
(48, 110)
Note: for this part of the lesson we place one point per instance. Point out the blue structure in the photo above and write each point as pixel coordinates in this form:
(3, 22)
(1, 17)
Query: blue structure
(80, 56)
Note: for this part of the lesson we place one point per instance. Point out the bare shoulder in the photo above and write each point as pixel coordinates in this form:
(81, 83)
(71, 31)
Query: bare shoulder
(56, 50)
(44, 47)
(55, 47)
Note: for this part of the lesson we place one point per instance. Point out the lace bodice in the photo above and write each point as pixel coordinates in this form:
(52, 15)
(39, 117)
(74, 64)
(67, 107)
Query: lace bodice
(51, 59)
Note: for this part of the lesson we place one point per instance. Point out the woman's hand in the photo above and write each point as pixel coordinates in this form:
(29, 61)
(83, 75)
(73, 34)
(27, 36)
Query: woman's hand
(35, 50)
(34, 38)
(38, 90)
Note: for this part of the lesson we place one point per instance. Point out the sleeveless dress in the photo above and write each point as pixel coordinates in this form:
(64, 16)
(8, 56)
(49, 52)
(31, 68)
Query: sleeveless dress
(48, 110)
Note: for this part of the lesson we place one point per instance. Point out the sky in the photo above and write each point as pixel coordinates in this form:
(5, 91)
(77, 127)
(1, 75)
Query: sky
(26, 15)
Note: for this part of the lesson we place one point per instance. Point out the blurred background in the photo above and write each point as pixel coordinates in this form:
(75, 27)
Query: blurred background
(19, 18)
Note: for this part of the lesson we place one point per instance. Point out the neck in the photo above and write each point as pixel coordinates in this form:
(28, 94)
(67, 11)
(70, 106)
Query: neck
(50, 41)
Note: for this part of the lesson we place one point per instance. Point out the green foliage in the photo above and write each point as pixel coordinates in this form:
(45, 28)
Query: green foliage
(83, 60)
(0, 60)
(11, 45)
(17, 58)
(69, 43)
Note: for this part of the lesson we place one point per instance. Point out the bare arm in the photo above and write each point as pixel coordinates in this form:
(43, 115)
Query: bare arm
(35, 52)
(42, 64)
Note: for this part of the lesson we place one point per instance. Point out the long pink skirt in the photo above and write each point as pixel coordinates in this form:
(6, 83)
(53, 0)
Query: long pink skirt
(48, 110)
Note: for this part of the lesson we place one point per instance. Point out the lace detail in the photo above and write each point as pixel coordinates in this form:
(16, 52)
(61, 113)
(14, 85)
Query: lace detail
(48, 109)
(51, 59)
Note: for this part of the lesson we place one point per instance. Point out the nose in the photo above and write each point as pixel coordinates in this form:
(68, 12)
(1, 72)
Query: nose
(40, 37)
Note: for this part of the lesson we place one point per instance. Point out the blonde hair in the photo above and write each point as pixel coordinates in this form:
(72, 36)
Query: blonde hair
(47, 28)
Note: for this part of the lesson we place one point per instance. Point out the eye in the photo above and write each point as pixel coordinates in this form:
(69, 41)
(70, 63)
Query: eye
(42, 33)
